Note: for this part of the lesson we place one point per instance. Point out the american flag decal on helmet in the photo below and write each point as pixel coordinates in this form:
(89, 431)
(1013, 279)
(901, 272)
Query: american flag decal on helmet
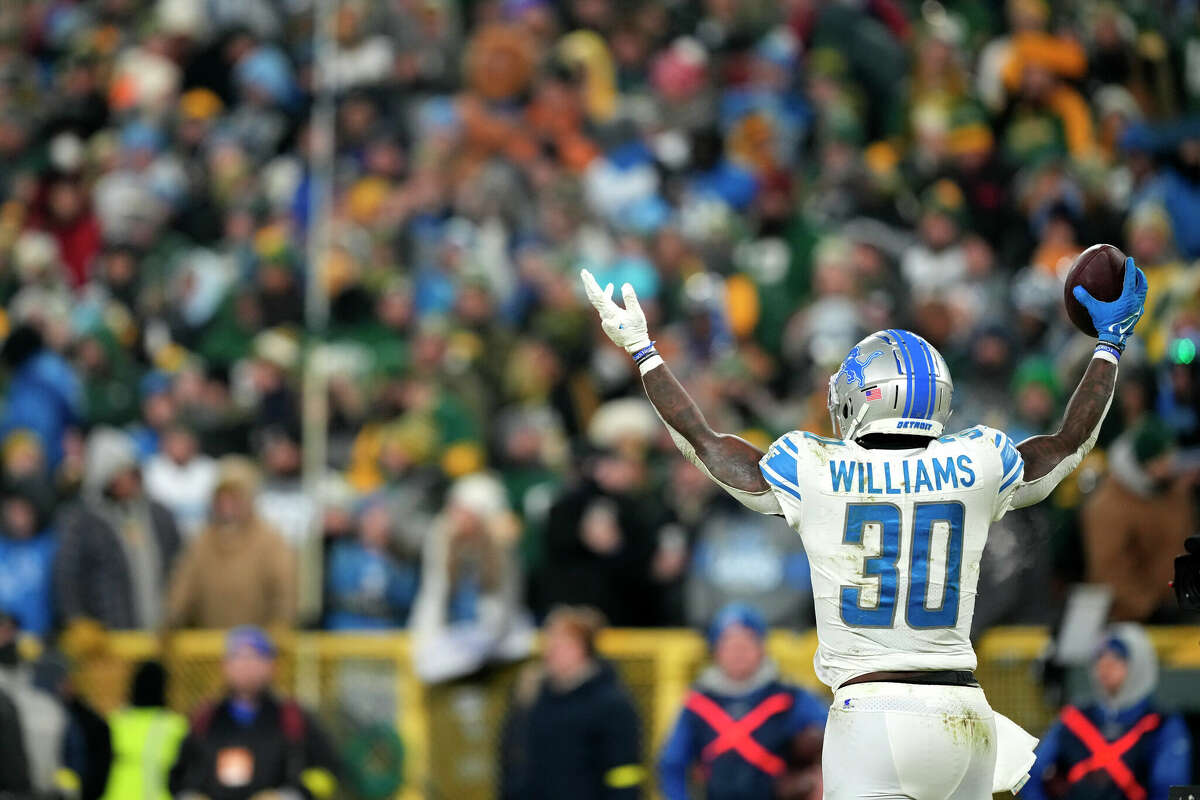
(874, 393)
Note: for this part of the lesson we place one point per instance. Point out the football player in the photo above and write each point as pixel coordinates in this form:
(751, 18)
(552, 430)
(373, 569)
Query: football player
(894, 514)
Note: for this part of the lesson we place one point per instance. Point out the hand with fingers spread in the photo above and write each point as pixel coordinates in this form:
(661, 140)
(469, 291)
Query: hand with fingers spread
(1115, 320)
(625, 326)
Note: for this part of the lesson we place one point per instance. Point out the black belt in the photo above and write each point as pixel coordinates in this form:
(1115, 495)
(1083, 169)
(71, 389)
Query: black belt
(942, 677)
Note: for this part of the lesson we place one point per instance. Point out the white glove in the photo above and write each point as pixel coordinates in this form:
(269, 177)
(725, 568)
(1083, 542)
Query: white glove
(625, 326)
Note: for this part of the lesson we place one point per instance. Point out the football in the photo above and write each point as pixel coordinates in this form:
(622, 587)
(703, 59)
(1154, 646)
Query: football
(1101, 270)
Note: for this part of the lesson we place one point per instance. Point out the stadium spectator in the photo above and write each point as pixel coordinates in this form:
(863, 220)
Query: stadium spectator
(469, 610)
(1121, 745)
(238, 570)
(182, 478)
(282, 500)
(572, 730)
(366, 585)
(146, 737)
(44, 394)
(1178, 186)
(251, 740)
(43, 719)
(743, 731)
(14, 766)
(601, 535)
(1134, 524)
(116, 552)
(739, 556)
(87, 747)
(775, 178)
(157, 413)
(27, 547)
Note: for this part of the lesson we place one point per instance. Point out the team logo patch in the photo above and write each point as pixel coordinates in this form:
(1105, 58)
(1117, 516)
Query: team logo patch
(852, 368)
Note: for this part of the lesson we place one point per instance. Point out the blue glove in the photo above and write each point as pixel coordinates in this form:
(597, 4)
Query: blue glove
(1114, 321)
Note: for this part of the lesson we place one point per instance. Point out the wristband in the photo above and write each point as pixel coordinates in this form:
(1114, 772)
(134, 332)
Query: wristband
(647, 364)
(645, 352)
(1108, 352)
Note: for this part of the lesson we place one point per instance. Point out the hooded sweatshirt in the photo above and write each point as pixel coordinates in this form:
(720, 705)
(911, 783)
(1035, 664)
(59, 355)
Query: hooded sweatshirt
(1160, 757)
(730, 775)
(235, 572)
(114, 556)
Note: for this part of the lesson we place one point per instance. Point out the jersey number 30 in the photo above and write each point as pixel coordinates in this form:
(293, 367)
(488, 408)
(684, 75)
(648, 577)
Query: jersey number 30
(918, 614)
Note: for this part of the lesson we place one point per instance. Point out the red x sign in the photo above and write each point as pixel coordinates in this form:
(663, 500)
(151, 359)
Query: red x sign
(1107, 755)
(736, 734)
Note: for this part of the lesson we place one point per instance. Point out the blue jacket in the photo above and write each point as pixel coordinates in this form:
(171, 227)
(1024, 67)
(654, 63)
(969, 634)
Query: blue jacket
(785, 711)
(1181, 198)
(367, 590)
(27, 580)
(46, 397)
(1160, 759)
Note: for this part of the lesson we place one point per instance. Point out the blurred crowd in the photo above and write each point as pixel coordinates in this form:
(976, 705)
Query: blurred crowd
(776, 179)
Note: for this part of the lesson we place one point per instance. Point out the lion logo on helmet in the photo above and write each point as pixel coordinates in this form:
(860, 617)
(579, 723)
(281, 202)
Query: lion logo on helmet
(853, 368)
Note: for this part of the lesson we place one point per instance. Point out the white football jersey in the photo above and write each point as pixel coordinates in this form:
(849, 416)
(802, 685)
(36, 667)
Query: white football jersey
(894, 539)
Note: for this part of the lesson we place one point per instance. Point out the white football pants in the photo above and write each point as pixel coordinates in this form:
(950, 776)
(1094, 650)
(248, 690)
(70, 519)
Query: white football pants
(900, 741)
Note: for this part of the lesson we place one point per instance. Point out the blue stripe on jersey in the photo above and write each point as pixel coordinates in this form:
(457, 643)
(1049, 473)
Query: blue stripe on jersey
(788, 446)
(783, 464)
(776, 481)
(1016, 474)
(1009, 456)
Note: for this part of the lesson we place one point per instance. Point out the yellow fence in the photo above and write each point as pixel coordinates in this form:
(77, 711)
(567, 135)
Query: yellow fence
(450, 733)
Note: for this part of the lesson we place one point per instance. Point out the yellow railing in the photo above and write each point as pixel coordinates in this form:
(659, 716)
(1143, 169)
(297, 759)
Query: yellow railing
(450, 733)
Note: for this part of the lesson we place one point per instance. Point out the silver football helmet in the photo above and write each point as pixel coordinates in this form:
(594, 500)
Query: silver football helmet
(893, 381)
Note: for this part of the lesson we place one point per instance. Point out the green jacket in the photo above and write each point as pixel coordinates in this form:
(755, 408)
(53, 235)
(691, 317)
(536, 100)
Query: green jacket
(145, 744)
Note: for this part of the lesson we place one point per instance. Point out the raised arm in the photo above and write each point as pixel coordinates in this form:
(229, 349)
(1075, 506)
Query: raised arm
(727, 460)
(1050, 458)
(1081, 422)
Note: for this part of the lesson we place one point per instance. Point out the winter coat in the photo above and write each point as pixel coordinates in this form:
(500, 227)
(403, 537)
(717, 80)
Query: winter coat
(92, 574)
(89, 748)
(45, 396)
(234, 574)
(582, 743)
(14, 765)
(616, 583)
(731, 774)
(27, 580)
(1158, 751)
(1131, 538)
(230, 754)
(462, 619)
(739, 555)
(367, 589)
(43, 725)
(1181, 197)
